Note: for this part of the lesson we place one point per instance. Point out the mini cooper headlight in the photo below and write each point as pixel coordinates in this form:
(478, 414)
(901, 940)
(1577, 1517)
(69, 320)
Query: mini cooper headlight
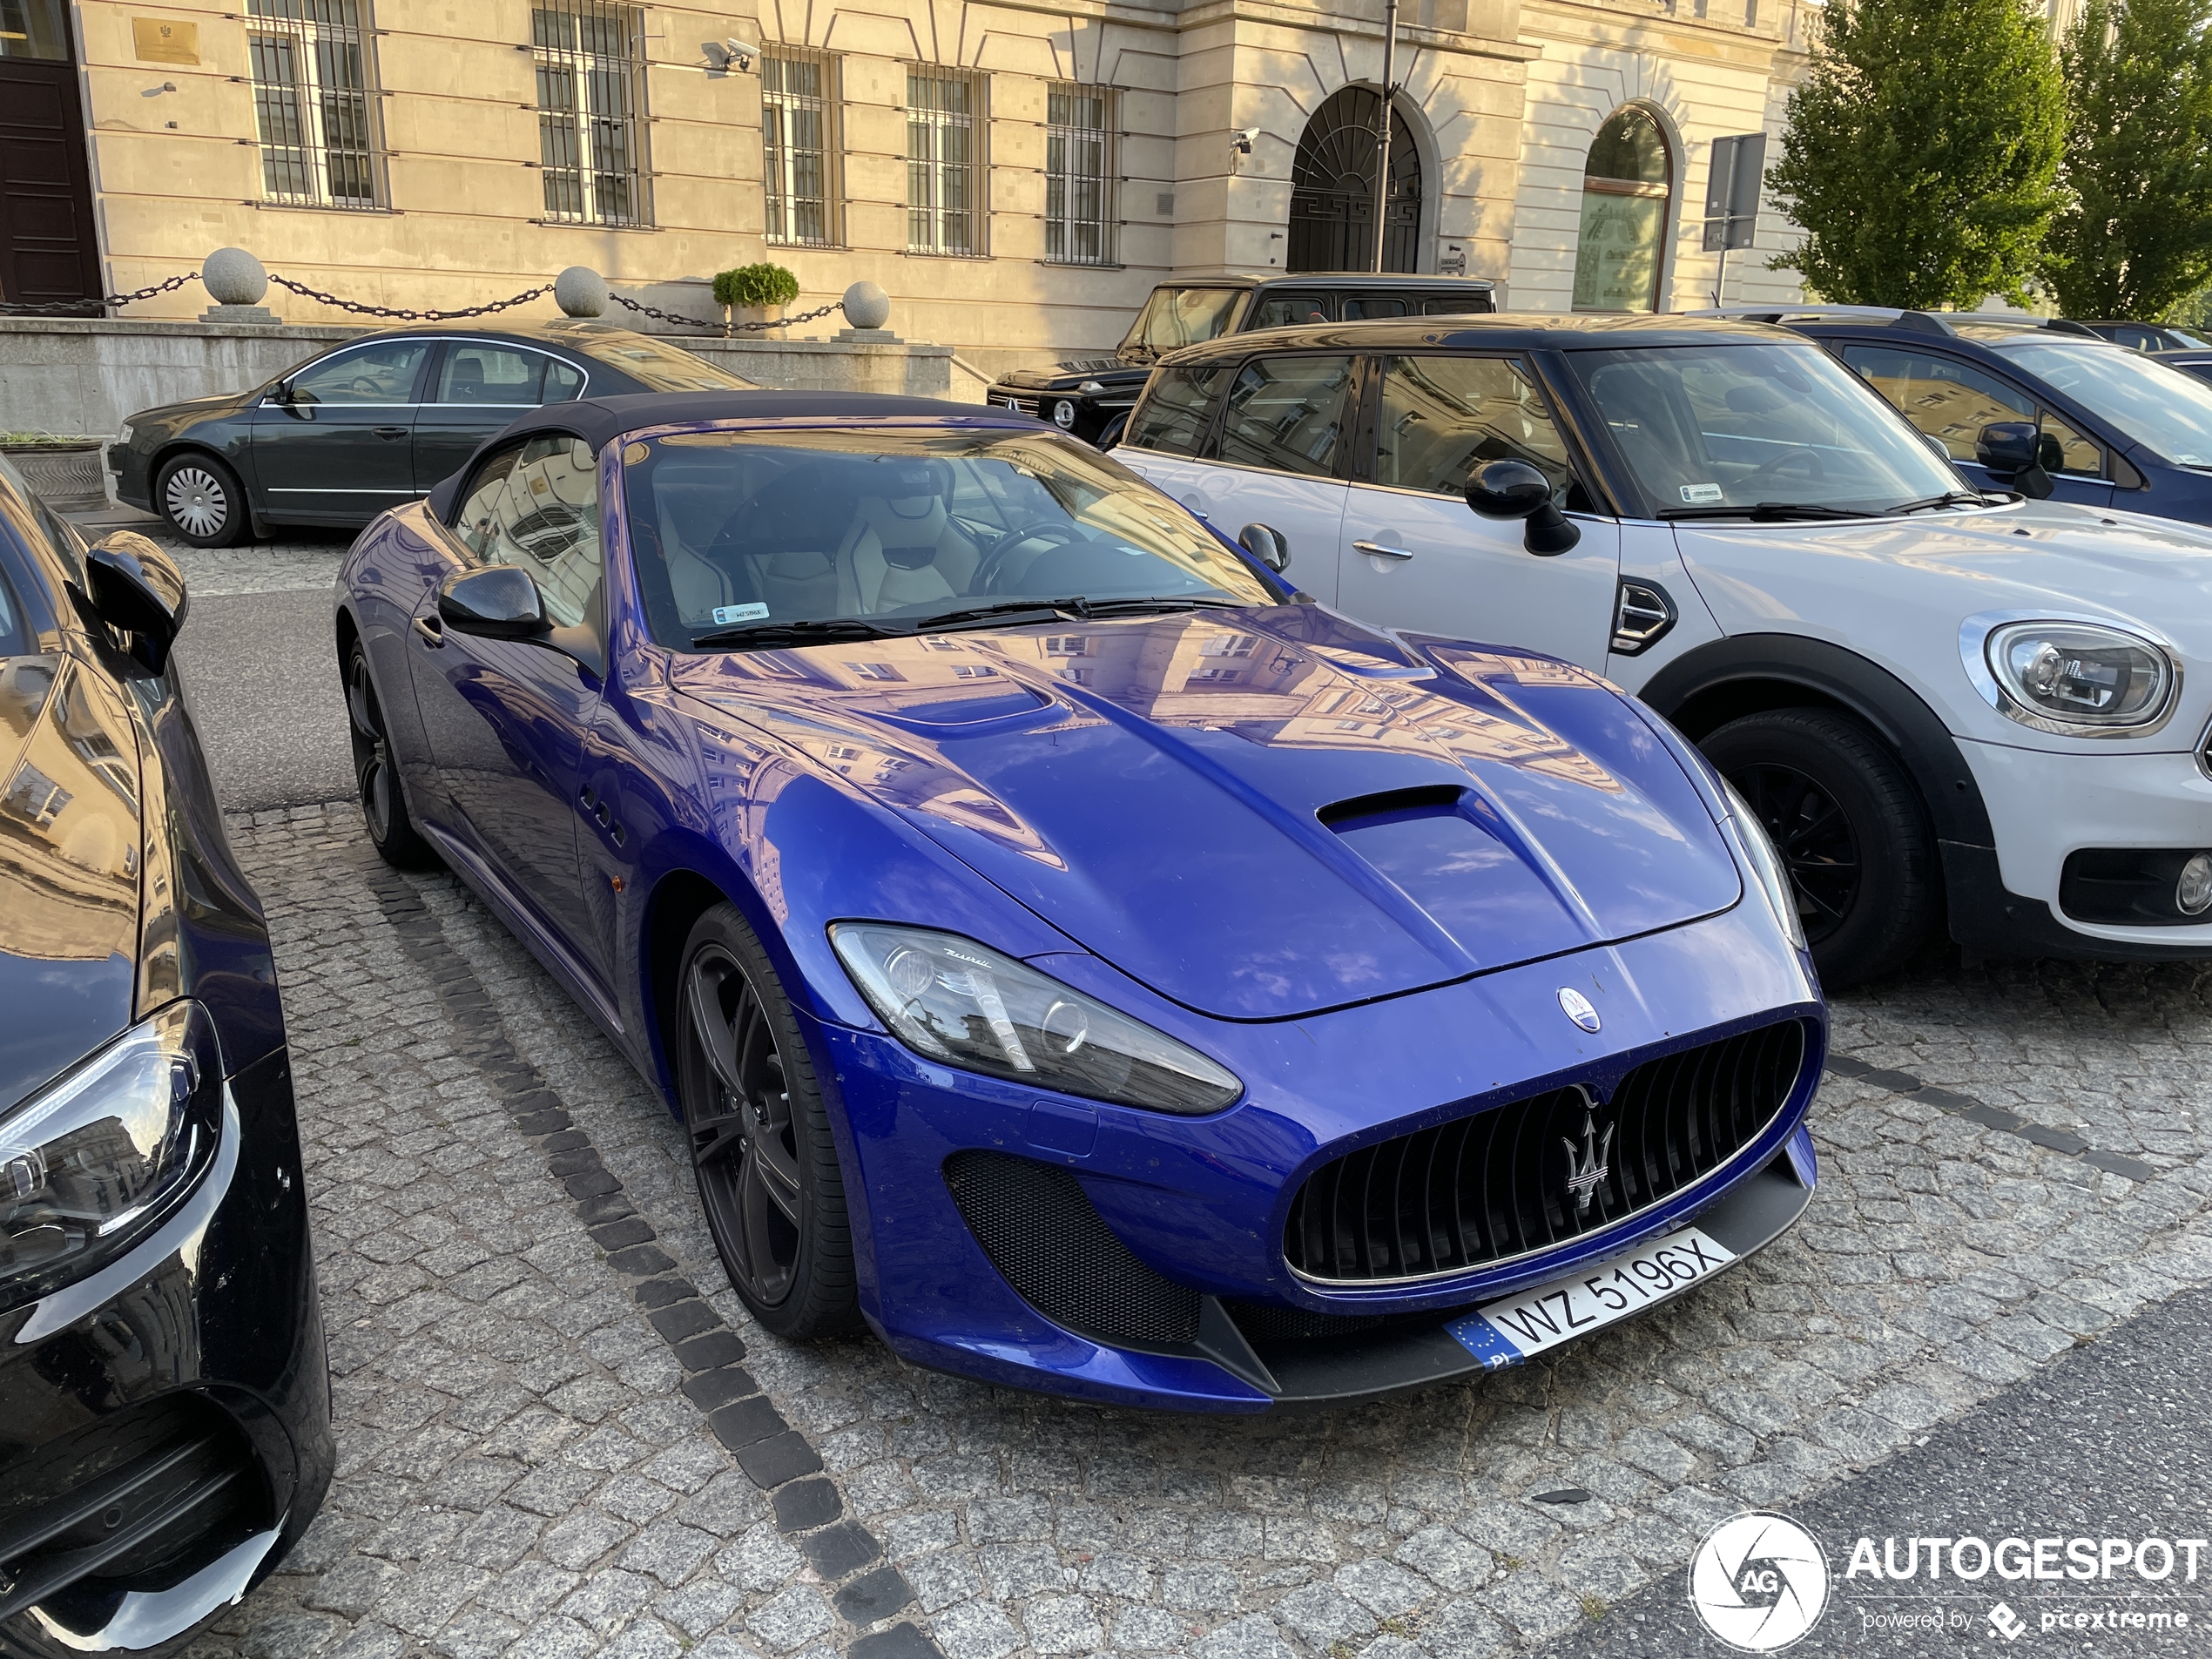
(1766, 866)
(89, 1165)
(963, 1003)
(2073, 678)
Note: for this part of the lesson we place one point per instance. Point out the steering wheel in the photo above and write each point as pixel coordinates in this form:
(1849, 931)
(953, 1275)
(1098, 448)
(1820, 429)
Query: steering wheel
(1062, 533)
(1768, 468)
(364, 386)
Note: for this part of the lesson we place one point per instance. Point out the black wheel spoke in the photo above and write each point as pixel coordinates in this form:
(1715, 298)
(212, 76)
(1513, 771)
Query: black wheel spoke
(716, 1137)
(712, 1025)
(1813, 834)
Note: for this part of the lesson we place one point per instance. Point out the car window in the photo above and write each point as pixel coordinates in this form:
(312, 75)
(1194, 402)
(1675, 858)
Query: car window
(1444, 416)
(1288, 414)
(381, 373)
(43, 524)
(732, 528)
(658, 366)
(1282, 310)
(2170, 413)
(1174, 318)
(1177, 411)
(1366, 305)
(1473, 305)
(1948, 399)
(2076, 454)
(16, 637)
(2140, 338)
(503, 377)
(536, 504)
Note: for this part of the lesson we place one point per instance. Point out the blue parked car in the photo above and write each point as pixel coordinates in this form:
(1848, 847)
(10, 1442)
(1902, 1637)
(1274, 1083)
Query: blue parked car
(2045, 408)
(1066, 946)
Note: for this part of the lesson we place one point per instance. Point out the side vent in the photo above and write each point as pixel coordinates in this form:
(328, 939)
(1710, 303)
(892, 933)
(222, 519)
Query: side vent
(1643, 612)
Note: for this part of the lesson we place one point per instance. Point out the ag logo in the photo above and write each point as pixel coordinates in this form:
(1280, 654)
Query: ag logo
(1758, 1583)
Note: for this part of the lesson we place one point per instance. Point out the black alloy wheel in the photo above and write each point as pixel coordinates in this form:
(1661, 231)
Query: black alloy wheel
(202, 499)
(759, 1136)
(1843, 814)
(383, 802)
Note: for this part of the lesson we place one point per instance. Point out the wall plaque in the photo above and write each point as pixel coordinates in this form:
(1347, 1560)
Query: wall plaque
(159, 40)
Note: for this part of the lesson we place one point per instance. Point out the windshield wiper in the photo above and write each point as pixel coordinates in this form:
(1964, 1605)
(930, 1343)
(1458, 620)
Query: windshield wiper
(1768, 512)
(768, 635)
(1949, 498)
(1079, 608)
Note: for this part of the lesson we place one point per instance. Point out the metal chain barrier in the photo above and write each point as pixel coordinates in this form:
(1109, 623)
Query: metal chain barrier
(659, 315)
(358, 310)
(66, 307)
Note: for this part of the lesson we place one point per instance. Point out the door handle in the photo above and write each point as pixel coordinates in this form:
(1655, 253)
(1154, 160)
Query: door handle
(432, 632)
(1376, 549)
(391, 431)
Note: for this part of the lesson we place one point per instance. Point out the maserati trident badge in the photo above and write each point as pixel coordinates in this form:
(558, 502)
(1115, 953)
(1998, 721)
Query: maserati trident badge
(1586, 1169)
(1578, 1007)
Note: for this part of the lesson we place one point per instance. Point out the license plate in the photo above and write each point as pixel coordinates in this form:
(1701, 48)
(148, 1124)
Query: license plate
(1507, 1332)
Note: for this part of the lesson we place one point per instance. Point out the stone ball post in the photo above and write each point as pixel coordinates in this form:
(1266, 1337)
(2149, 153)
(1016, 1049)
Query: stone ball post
(867, 305)
(233, 277)
(580, 292)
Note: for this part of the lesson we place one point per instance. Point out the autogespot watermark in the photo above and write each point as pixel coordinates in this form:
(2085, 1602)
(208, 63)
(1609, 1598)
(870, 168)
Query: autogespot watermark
(1761, 1582)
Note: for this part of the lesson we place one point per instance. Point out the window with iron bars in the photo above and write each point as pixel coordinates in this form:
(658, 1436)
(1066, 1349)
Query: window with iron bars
(946, 160)
(590, 110)
(798, 144)
(314, 101)
(1080, 173)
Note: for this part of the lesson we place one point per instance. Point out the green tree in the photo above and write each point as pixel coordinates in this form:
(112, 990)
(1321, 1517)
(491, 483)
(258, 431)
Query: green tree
(2137, 237)
(1920, 152)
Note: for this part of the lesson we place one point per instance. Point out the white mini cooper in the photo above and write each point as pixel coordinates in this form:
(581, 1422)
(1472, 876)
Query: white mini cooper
(1951, 708)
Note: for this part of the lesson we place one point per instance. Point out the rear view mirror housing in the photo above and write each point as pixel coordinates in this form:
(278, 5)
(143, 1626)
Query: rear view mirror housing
(493, 601)
(138, 591)
(2013, 452)
(1516, 490)
(1267, 545)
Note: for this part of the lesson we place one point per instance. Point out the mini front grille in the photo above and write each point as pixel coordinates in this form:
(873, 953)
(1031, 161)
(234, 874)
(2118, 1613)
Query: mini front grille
(1535, 1172)
(1041, 1231)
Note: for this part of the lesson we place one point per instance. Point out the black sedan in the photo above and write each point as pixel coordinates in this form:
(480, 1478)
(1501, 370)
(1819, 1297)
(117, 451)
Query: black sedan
(165, 1404)
(375, 422)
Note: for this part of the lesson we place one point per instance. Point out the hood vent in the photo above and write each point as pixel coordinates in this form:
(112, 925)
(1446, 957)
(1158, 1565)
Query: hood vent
(1394, 806)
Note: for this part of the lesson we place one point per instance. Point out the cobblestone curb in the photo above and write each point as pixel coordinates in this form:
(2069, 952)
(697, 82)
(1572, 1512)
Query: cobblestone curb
(2064, 1141)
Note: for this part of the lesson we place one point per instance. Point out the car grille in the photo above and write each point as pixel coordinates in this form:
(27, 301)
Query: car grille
(1022, 405)
(1502, 1182)
(1038, 1227)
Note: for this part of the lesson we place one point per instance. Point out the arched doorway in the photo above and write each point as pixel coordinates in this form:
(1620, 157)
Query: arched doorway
(1626, 183)
(1332, 189)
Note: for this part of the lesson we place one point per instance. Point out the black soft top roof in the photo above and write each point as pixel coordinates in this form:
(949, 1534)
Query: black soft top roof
(599, 420)
(1494, 330)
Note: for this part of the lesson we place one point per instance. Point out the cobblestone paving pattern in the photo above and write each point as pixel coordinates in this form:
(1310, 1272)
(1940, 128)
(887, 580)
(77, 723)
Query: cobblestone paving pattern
(522, 1474)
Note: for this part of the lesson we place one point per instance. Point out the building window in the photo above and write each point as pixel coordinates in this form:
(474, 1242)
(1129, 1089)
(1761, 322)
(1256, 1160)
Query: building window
(314, 101)
(946, 109)
(1626, 182)
(590, 110)
(798, 100)
(1080, 173)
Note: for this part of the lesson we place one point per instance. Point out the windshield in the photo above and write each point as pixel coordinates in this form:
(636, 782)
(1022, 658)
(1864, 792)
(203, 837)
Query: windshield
(659, 365)
(891, 532)
(2169, 412)
(1713, 430)
(1177, 317)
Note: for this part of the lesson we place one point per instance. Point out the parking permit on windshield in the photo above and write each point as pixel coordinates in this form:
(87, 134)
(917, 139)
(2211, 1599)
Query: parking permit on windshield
(1507, 1332)
(725, 615)
(1701, 495)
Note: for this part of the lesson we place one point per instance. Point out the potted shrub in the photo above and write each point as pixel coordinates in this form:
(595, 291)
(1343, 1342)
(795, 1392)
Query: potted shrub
(64, 472)
(759, 292)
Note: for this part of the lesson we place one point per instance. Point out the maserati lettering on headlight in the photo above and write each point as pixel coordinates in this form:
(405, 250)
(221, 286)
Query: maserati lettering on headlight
(2080, 677)
(960, 1002)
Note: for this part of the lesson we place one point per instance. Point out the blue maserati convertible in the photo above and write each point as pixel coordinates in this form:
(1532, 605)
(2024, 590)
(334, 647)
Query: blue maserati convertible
(1066, 945)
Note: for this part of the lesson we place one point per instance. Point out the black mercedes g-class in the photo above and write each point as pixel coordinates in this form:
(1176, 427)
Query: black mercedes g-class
(1091, 397)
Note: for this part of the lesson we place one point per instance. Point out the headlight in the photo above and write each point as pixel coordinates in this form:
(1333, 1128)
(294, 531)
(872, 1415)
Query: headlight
(1766, 865)
(963, 1003)
(2073, 678)
(122, 438)
(90, 1165)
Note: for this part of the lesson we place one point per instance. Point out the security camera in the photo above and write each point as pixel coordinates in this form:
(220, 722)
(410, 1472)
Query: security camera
(1241, 140)
(741, 53)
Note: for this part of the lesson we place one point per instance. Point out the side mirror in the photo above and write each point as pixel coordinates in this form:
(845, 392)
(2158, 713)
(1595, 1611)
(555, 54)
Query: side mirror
(1270, 546)
(137, 591)
(497, 601)
(2012, 450)
(1516, 490)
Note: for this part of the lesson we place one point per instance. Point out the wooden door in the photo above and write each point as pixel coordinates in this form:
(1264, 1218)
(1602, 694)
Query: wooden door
(48, 251)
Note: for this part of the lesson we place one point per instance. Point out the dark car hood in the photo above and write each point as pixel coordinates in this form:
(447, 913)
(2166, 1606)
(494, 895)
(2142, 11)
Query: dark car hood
(1185, 809)
(197, 408)
(69, 894)
(1062, 378)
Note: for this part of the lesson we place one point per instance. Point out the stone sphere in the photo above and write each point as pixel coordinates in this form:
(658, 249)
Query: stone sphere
(580, 292)
(867, 305)
(233, 277)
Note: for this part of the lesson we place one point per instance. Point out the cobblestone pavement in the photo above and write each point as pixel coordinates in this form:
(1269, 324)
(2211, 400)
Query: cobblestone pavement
(522, 1471)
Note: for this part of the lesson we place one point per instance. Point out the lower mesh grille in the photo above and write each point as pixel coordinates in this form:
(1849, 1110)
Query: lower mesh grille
(1038, 1227)
(1531, 1173)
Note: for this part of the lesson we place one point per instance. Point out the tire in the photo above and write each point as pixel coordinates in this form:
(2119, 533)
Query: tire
(767, 1170)
(201, 500)
(376, 778)
(1844, 815)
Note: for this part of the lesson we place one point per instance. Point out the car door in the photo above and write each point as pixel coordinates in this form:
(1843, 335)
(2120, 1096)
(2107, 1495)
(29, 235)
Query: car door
(479, 387)
(1951, 400)
(333, 443)
(1415, 556)
(504, 718)
(1280, 426)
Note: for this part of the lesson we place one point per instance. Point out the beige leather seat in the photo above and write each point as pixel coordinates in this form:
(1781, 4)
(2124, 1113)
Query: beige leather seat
(898, 553)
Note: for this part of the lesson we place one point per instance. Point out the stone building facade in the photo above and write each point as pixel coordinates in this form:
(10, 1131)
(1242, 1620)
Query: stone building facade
(1015, 175)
